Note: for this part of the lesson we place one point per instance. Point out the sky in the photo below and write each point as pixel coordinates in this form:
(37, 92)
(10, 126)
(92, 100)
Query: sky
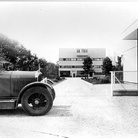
(44, 27)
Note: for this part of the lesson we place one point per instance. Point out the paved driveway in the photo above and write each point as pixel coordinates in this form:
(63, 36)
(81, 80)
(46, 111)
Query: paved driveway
(92, 111)
(80, 110)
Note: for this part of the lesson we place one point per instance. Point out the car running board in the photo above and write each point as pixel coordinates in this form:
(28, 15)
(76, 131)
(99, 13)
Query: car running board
(8, 104)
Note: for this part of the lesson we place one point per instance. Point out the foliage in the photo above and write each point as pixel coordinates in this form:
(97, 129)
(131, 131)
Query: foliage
(11, 49)
(119, 66)
(107, 66)
(48, 69)
(27, 63)
(51, 70)
(22, 59)
(101, 80)
(87, 65)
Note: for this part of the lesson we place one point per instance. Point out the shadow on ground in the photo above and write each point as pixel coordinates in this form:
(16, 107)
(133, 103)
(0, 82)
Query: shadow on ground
(14, 112)
(56, 111)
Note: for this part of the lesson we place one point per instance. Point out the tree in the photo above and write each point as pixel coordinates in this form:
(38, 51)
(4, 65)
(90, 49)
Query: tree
(11, 49)
(107, 66)
(87, 65)
(22, 59)
(48, 69)
(17, 54)
(119, 66)
(27, 63)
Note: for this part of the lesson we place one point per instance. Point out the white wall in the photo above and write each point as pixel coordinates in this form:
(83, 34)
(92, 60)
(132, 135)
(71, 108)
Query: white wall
(130, 60)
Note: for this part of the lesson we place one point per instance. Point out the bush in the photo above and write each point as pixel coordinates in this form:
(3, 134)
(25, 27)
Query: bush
(63, 78)
(105, 80)
(55, 80)
(58, 78)
(97, 80)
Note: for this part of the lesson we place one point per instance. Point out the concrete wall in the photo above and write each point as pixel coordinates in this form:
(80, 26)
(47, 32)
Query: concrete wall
(130, 60)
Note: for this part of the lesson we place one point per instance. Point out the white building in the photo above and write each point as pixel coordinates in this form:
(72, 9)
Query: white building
(71, 60)
(129, 53)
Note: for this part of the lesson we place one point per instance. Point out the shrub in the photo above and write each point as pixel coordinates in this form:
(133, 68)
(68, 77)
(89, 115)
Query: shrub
(58, 78)
(106, 79)
(63, 78)
(97, 80)
(55, 80)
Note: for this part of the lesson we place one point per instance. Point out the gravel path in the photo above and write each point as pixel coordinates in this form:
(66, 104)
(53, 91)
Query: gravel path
(80, 110)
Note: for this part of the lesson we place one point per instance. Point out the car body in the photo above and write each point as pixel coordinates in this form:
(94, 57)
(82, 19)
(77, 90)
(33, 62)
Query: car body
(28, 89)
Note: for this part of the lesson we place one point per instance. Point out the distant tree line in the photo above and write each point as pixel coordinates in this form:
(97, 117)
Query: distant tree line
(22, 59)
(107, 66)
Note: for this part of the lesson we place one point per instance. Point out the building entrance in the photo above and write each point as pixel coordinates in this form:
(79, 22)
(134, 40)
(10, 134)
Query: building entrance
(64, 73)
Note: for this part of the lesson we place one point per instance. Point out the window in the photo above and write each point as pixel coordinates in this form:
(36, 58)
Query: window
(98, 73)
(73, 59)
(97, 59)
(78, 66)
(64, 59)
(65, 66)
(97, 66)
(68, 59)
(79, 59)
(78, 50)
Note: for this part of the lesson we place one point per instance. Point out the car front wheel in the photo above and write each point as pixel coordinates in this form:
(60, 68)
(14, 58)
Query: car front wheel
(37, 101)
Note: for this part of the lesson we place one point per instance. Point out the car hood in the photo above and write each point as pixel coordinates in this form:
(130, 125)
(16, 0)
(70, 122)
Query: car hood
(25, 74)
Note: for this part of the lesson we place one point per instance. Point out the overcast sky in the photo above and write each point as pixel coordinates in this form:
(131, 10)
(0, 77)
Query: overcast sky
(44, 27)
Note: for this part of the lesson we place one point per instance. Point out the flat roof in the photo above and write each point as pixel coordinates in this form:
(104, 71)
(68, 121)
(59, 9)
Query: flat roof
(130, 33)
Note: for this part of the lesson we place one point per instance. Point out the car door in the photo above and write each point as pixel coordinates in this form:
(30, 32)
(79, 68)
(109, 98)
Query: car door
(5, 83)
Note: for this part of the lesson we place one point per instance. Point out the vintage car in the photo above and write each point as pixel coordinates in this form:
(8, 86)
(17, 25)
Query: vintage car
(26, 88)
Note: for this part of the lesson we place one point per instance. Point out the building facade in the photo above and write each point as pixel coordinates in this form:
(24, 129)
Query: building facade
(71, 61)
(129, 53)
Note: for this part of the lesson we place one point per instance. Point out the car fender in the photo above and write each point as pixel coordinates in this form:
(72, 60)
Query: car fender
(50, 81)
(32, 85)
(46, 80)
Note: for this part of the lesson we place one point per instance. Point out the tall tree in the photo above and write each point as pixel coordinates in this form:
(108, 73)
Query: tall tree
(87, 65)
(107, 66)
(119, 66)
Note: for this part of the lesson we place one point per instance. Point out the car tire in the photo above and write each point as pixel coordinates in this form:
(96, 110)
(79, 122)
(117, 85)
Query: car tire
(37, 101)
(52, 92)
